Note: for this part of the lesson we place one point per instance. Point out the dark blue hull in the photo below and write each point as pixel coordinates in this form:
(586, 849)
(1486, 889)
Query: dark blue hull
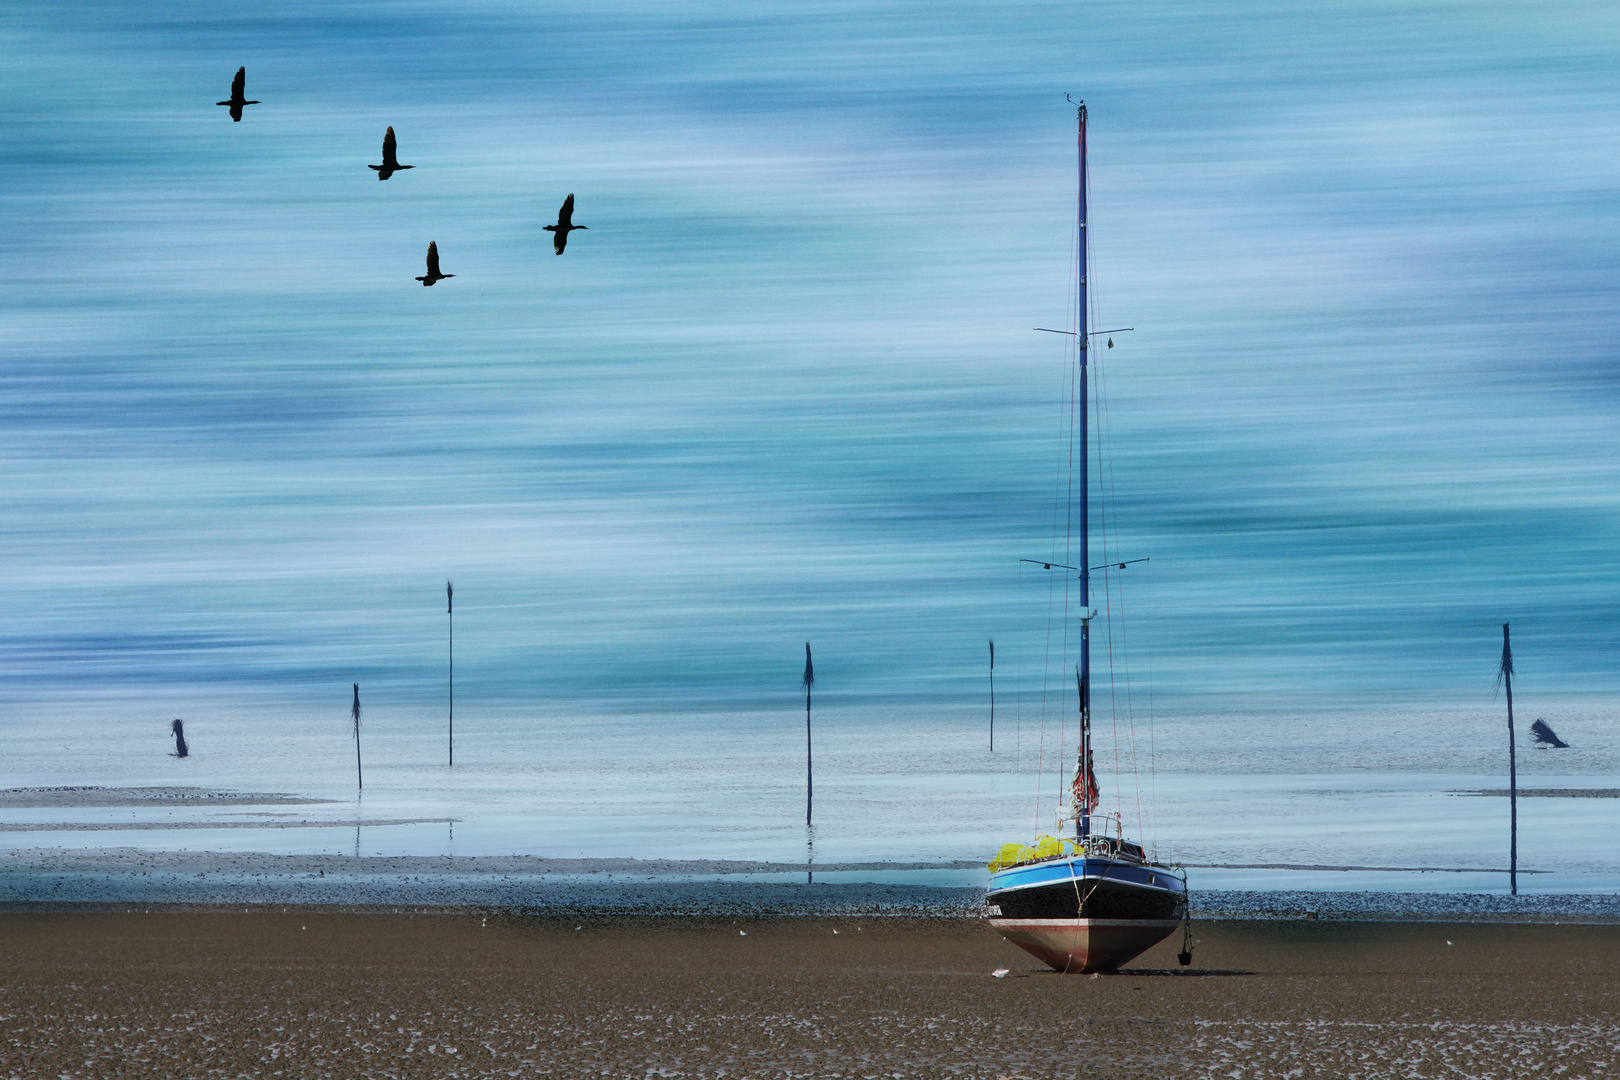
(1080, 887)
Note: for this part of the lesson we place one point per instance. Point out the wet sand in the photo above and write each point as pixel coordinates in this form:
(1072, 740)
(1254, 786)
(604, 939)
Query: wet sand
(318, 993)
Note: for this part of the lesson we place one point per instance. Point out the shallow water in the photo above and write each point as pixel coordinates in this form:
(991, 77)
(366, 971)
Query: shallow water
(892, 785)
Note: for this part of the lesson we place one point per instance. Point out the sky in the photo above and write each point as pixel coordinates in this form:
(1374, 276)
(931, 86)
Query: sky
(786, 387)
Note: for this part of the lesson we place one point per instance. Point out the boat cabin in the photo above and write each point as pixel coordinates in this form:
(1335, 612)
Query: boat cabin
(1112, 847)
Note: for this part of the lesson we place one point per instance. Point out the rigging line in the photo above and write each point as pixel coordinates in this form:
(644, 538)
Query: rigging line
(1099, 382)
(1040, 750)
(1018, 759)
(1153, 758)
(1068, 542)
(1108, 502)
(1104, 518)
(1064, 498)
(1104, 470)
(1064, 420)
(1066, 485)
(1130, 683)
(1117, 652)
(1130, 706)
(1130, 719)
(1130, 713)
(1074, 373)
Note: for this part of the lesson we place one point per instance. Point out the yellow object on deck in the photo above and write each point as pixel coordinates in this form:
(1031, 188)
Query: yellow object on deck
(1011, 855)
(1045, 847)
(1049, 847)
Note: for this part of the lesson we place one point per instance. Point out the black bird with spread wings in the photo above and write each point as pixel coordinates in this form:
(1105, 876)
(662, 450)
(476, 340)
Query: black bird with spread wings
(565, 225)
(433, 266)
(238, 88)
(1546, 735)
(390, 163)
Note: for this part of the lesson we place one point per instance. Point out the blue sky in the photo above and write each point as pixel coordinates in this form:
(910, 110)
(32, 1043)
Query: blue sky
(786, 388)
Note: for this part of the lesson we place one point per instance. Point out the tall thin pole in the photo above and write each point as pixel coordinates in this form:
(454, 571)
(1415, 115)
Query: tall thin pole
(1513, 769)
(992, 695)
(809, 785)
(359, 778)
(450, 613)
(1084, 340)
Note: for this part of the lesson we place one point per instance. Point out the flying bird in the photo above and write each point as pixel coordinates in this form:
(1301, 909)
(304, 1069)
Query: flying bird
(433, 266)
(238, 86)
(390, 163)
(565, 225)
(1545, 734)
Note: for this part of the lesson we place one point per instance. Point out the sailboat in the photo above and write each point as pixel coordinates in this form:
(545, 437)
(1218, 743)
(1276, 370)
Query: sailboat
(1093, 901)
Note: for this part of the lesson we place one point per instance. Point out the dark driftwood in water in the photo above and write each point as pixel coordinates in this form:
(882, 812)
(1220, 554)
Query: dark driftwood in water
(1545, 734)
(178, 730)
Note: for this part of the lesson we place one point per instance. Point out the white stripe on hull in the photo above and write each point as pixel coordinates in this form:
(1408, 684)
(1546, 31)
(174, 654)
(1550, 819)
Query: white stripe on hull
(1085, 945)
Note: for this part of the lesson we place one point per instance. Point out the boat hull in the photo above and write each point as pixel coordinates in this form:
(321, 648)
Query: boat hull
(1085, 887)
(1081, 946)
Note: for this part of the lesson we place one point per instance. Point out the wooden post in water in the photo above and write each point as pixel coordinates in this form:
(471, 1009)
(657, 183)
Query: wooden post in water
(359, 778)
(809, 786)
(1513, 770)
(992, 695)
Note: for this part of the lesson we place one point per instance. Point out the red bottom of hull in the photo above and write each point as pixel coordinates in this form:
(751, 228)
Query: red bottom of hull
(1084, 945)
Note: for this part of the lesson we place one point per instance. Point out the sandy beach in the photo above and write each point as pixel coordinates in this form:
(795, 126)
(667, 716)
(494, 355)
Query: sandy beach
(156, 961)
(318, 993)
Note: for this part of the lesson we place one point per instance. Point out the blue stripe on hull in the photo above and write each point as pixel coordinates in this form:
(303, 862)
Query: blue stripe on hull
(1070, 869)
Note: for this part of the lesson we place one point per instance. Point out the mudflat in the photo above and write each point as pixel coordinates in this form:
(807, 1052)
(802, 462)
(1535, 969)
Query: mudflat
(318, 993)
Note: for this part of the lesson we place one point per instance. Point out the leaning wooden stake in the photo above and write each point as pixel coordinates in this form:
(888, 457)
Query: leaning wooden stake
(1506, 675)
(809, 784)
(359, 779)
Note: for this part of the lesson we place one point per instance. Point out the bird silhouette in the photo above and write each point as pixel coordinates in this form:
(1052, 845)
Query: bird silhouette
(238, 86)
(178, 730)
(433, 266)
(1545, 734)
(390, 163)
(565, 225)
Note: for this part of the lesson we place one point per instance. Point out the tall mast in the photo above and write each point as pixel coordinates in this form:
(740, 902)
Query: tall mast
(1084, 340)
